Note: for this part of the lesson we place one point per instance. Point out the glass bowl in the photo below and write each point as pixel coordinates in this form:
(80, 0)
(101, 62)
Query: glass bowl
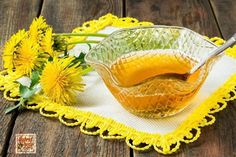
(134, 62)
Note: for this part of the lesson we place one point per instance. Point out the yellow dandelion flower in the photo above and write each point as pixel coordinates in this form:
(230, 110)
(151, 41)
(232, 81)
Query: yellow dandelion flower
(47, 42)
(26, 58)
(37, 29)
(60, 80)
(11, 47)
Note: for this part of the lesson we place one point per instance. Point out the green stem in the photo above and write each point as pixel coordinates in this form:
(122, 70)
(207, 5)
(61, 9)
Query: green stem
(10, 109)
(81, 34)
(84, 42)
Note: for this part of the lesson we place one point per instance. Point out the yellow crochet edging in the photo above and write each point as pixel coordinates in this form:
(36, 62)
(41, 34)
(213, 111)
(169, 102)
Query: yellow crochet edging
(106, 128)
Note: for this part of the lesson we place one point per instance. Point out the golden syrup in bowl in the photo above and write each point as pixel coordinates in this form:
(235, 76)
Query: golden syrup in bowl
(145, 90)
(133, 63)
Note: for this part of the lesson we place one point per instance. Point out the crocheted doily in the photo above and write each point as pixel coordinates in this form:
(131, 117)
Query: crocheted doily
(92, 123)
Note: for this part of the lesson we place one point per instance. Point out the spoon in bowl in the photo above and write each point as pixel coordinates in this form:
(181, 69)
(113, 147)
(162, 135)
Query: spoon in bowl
(213, 54)
(185, 76)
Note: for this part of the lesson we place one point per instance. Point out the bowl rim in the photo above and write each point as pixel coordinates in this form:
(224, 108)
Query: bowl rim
(89, 61)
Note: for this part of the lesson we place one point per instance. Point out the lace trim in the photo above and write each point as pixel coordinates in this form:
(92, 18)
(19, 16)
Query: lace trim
(106, 128)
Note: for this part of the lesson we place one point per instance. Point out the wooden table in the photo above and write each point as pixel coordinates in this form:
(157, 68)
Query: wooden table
(208, 17)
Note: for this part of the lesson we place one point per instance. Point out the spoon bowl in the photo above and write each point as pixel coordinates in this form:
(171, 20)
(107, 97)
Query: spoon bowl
(218, 51)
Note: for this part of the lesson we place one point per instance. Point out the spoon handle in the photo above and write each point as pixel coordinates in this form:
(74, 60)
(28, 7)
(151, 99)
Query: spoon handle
(214, 53)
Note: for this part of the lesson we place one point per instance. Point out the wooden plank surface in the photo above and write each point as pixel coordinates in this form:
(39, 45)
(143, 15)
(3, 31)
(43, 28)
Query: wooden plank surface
(219, 139)
(225, 11)
(193, 14)
(53, 138)
(225, 14)
(65, 15)
(14, 15)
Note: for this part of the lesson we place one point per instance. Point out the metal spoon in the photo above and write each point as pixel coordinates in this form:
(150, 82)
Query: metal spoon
(213, 54)
(185, 76)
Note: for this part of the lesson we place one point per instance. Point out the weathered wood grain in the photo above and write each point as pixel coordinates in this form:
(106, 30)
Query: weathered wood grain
(193, 14)
(14, 15)
(65, 15)
(219, 139)
(53, 138)
(225, 11)
(225, 14)
(56, 139)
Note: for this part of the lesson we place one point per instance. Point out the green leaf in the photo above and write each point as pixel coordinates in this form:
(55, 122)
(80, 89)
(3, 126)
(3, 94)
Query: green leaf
(66, 51)
(50, 59)
(34, 78)
(86, 70)
(81, 55)
(10, 109)
(26, 92)
(89, 45)
(80, 58)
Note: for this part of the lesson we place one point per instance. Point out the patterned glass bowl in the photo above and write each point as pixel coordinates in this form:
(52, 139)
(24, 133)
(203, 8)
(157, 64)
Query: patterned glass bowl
(124, 58)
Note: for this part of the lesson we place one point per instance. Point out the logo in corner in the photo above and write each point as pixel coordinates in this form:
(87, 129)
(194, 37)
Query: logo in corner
(25, 143)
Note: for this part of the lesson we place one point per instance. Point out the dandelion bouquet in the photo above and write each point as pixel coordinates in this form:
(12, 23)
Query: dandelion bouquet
(40, 56)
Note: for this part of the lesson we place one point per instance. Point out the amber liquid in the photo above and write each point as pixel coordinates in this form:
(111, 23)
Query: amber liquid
(148, 91)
